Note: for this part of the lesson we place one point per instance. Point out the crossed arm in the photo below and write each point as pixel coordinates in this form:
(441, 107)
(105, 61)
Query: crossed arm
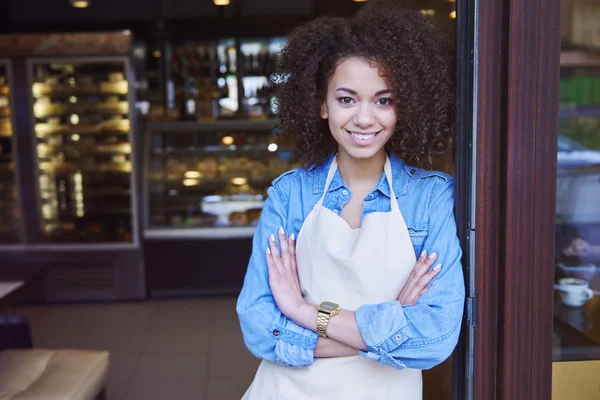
(343, 335)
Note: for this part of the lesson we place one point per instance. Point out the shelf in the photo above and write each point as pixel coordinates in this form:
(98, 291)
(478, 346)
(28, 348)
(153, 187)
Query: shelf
(47, 168)
(118, 127)
(50, 110)
(216, 126)
(579, 111)
(200, 233)
(579, 59)
(124, 148)
(211, 181)
(220, 149)
(104, 88)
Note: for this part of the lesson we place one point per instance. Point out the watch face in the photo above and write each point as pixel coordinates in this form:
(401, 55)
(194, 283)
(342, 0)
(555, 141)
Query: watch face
(327, 306)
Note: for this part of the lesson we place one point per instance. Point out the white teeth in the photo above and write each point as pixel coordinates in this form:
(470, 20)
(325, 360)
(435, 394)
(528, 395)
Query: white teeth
(362, 137)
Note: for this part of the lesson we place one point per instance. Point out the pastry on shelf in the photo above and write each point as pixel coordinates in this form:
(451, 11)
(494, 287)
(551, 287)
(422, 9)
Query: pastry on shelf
(253, 215)
(238, 218)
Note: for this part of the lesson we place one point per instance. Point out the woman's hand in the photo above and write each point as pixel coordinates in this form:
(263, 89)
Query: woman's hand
(419, 280)
(283, 274)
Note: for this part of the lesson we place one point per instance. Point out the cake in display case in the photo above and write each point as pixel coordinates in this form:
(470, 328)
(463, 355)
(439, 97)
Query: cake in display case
(81, 111)
(10, 213)
(211, 175)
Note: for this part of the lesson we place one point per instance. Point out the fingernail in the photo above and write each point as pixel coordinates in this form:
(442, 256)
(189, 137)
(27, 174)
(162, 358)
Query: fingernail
(424, 252)
(268, 250)
(281, 231)
(292, 237)
(272, 237)
(437, 267)
(432, 255)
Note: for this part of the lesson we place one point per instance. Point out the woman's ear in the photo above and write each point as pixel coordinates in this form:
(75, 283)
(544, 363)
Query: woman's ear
(324, 113)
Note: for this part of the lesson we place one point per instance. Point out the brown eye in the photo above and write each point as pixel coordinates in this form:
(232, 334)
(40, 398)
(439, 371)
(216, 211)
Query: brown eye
(345, 100)
(386, 101)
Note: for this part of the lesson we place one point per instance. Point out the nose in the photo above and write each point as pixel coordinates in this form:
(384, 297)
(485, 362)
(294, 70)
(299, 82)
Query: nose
(364, 116)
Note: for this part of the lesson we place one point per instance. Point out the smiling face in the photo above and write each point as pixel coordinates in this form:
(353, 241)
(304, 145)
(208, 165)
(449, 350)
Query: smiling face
(360, 109)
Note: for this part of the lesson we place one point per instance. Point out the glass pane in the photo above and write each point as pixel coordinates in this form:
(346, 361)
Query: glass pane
(215, 176)
(82, 126)
(10, 214)
(577, 254)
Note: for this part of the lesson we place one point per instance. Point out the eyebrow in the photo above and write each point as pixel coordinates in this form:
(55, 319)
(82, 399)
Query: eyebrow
(353, 92)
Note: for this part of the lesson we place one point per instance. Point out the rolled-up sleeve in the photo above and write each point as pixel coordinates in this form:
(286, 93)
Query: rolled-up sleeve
(424, 335)
(267, 333)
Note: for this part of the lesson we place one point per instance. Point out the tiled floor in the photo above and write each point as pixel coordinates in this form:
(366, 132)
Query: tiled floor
(160, 350)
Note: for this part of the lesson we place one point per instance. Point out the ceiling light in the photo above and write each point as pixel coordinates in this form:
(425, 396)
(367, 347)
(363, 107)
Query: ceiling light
(192, 174)
(429, 12)
(221, 2)
(227, 140)
(81, 3)
(156, 54)
(453, 14)
(360, 1)
(239, 181)
(272, 147)
(191, 182)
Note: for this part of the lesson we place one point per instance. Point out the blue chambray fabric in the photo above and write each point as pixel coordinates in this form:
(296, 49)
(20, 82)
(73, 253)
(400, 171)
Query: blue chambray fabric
(400, 336)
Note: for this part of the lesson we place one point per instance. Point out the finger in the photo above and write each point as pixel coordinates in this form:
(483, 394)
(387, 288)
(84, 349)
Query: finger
(271, 267)
(282, 240)
(274, 250)
(428, 277)
(283, 245)
(414, 287)
(292, 248)
(425, 290)
(424, 263)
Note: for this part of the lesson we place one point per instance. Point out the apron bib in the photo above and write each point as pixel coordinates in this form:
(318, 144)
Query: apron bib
(351, 267)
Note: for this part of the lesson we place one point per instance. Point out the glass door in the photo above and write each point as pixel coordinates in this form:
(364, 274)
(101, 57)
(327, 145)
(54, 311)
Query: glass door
(576, 327)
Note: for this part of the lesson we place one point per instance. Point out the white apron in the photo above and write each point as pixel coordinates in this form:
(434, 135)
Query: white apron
(352, 267)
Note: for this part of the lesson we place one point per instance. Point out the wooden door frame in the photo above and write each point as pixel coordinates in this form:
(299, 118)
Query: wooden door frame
(517, 73)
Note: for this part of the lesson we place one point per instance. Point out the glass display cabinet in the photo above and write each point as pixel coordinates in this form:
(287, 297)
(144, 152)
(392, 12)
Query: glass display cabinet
(10, 211)
(209, 180)
(83, 146)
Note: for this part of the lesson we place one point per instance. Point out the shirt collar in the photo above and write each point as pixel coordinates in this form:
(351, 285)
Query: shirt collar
(401, 174)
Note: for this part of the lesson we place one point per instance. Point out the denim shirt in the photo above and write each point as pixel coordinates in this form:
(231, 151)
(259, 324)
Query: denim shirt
(401, 336)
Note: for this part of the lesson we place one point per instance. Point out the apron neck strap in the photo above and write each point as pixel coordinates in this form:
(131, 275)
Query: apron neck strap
(388, 175)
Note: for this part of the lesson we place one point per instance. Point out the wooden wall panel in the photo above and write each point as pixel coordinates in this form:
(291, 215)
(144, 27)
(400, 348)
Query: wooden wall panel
(517, 117)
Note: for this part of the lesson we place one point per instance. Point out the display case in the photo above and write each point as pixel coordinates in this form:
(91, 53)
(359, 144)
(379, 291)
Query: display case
(82, 121)
(11, 231)
(210, 180)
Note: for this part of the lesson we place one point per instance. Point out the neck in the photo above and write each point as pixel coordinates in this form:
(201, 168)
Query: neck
(358, 172)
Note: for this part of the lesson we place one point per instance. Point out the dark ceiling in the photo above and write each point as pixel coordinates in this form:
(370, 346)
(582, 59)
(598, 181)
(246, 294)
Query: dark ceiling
(181, 18)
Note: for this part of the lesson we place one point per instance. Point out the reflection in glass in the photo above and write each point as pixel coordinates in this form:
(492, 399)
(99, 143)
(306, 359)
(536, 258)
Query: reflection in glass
(10, 214)
(83, 148)
(214, 177)
(577, 253)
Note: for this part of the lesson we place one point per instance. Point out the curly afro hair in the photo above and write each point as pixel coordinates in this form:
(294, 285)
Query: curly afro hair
(414, 57)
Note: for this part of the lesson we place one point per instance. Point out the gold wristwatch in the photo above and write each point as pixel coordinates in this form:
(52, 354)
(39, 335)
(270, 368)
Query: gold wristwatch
(327, 310)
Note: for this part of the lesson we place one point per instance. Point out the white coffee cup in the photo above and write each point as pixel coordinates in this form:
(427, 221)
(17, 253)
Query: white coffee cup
(574, 292)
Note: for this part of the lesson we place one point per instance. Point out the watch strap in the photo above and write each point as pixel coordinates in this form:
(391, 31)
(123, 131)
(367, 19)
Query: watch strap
(322, 322)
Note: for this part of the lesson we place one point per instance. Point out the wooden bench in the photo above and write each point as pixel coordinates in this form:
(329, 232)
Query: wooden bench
(38, 374)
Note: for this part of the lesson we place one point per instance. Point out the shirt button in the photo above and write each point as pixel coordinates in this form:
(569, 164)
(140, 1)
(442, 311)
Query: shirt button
(345, 192)
(276, 332)
(372, 195)
(398, 337)
(412, 171)
(278, 360)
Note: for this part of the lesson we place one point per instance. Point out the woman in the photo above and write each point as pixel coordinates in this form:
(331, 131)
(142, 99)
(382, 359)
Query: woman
(349, 310)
